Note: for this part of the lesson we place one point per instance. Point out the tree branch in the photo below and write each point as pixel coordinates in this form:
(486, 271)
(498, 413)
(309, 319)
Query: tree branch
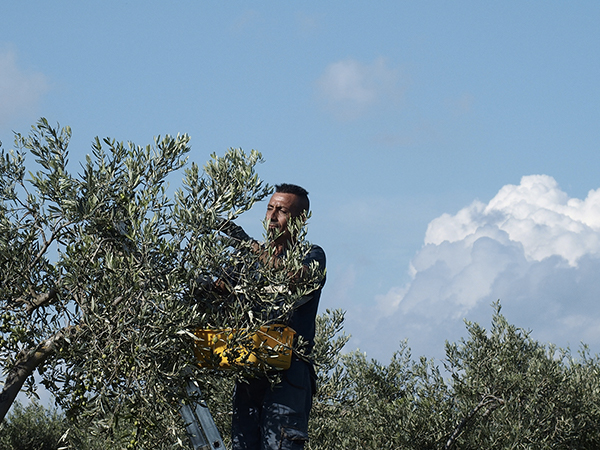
(47, 242)
(25, 366)
(486, 400)
(38, 300)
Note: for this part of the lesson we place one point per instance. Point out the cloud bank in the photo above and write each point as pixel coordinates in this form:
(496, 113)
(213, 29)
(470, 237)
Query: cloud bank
(20, 91)
(531, 246)
(349, 88)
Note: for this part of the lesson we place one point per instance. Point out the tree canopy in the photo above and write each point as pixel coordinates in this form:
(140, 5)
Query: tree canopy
(104, 273)
(498, 389)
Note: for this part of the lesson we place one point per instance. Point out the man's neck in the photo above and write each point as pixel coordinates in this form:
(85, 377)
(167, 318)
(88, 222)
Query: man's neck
(280, 246)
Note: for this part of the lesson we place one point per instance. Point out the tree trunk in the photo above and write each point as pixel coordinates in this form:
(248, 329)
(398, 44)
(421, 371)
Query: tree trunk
(24, 367)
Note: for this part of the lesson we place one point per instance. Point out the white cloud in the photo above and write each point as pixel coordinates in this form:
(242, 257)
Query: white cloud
(391, 300)
(536, 214)
(531, 246)
(350, 87)
(20, 91)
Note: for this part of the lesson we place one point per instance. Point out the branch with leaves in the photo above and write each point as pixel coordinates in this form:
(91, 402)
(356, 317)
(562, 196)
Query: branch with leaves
(118, 256)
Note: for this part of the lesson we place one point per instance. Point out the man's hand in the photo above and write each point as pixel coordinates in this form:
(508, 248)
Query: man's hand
(232, 230)
(238, 234)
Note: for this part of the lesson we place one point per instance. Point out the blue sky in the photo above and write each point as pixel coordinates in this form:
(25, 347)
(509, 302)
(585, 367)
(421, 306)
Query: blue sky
(449, 147)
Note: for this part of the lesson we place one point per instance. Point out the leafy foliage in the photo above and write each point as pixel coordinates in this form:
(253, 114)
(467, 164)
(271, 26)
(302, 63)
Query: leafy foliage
(535, 396)
(105, 274)
(501, 390)
(32, 427)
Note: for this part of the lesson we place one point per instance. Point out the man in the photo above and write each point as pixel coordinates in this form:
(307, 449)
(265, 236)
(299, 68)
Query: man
(267, 416)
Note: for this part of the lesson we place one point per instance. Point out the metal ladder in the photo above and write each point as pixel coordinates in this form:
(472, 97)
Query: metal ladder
(200, 425)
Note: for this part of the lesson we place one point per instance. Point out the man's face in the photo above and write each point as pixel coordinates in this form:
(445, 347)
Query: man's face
(280, 209)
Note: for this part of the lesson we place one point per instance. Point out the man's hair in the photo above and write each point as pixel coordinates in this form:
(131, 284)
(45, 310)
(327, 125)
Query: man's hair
(300, 192)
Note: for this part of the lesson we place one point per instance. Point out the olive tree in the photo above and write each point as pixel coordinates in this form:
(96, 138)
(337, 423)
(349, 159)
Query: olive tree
(106, 273)
(32, 427)
(499, 389)
(36, 427)
(511, 391)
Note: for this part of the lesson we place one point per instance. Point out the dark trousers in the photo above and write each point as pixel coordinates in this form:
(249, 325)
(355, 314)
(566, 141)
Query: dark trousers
(275, 417)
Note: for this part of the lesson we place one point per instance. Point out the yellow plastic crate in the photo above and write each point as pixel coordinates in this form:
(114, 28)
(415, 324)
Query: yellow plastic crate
(271, 346)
